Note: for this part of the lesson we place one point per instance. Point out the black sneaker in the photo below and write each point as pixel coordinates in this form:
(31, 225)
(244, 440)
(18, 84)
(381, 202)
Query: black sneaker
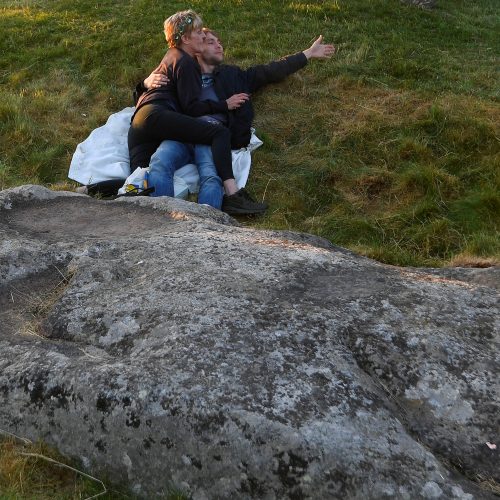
(241, 203)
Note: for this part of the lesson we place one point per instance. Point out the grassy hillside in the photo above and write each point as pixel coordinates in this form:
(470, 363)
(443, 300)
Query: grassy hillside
(390, 149)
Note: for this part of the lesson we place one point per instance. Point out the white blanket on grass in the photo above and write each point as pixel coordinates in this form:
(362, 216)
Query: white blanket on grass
(104, 156)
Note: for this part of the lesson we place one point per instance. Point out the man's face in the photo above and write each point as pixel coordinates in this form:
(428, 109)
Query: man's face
(212, 52)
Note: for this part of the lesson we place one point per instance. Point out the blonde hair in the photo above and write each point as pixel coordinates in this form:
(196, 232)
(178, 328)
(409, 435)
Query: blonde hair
(181, 23)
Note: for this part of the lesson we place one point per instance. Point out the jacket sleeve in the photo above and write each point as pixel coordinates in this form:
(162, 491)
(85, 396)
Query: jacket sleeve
(140, 88)
(188, 82)
(276, 71)
(138, 91)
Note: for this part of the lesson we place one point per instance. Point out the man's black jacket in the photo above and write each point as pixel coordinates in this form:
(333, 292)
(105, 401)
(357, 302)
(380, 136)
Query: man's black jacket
(230, 80)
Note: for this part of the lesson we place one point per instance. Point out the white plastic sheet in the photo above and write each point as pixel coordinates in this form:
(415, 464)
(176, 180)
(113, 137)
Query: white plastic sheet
(104, 156)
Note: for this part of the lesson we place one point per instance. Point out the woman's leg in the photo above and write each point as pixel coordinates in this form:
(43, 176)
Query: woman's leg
(154, 123)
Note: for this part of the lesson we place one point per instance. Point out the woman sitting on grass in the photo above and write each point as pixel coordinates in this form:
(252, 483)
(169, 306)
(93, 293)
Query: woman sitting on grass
(161, 112)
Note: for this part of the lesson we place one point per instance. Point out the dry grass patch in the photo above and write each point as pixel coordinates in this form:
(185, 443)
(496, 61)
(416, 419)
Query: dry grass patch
(33, 470)
(36, 305)
(467, 260)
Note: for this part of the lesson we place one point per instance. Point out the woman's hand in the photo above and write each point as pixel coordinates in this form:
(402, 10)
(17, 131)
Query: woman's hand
(320, 50)
(155, 80)
(236, 100)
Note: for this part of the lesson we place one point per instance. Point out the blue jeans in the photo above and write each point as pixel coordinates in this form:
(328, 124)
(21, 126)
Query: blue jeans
(169, 156)
(172, 155)
(211, 191)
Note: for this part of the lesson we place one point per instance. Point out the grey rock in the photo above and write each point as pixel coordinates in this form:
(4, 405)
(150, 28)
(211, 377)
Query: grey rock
(431, 490)
(173, 347)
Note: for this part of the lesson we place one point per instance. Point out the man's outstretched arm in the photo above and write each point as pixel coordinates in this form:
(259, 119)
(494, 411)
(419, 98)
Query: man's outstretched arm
(275, 71)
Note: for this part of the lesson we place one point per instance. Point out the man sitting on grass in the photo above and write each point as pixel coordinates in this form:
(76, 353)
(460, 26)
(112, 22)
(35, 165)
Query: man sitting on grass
(220, 82)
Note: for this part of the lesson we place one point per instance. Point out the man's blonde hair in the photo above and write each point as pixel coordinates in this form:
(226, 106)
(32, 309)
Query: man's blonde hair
(181, 23)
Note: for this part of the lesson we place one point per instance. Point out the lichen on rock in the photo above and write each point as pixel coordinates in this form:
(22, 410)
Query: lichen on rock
(185, 350)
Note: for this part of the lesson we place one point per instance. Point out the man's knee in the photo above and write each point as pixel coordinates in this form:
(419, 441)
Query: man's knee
(169, 156)
(162, 166)
(210, 178)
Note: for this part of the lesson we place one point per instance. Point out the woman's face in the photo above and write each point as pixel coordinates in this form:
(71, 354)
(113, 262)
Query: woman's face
(196, 39)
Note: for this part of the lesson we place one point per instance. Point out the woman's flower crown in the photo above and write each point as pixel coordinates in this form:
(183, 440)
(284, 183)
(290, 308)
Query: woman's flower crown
(187, 21)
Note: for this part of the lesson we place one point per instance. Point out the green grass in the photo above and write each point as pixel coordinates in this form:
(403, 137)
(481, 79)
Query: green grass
(390, 149)
(50, 476)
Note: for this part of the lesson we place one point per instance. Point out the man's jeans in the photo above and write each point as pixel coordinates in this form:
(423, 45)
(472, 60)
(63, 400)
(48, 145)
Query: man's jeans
(172, 155)
(211, 191)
